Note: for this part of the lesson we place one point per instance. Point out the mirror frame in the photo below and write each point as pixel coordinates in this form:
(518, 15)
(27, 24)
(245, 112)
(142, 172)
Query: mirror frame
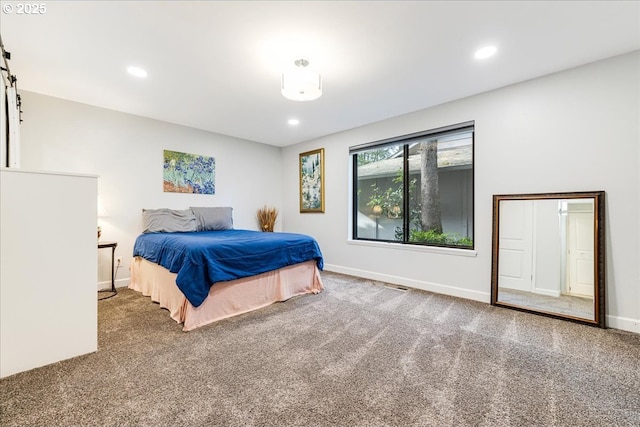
(599, 254)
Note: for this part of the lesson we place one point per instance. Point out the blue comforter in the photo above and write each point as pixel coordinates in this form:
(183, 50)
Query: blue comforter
(206, 257)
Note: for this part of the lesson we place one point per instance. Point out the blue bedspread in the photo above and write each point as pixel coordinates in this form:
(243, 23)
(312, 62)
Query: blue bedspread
(206, 257)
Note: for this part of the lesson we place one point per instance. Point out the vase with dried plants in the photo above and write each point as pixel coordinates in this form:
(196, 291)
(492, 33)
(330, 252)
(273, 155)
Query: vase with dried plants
(267, 218)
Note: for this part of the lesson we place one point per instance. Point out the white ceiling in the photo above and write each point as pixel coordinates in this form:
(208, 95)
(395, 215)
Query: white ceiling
(216, 65)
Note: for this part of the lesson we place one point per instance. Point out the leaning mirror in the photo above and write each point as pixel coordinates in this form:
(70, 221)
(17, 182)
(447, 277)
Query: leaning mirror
(548, 255)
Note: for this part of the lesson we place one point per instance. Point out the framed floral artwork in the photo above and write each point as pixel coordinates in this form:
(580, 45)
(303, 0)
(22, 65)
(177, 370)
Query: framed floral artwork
(188, 173)
(312, 181)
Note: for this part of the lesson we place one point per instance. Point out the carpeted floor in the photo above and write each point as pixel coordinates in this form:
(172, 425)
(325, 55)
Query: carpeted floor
(358, 354)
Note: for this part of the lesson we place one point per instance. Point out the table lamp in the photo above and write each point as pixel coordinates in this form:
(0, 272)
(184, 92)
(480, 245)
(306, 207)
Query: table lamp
(102, 213)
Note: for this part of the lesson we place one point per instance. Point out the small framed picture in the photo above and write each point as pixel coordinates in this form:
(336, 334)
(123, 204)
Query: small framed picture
(312, 181)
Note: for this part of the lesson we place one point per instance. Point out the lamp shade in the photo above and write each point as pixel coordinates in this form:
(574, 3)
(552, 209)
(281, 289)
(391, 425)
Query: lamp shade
(301, 83)
(102, 213)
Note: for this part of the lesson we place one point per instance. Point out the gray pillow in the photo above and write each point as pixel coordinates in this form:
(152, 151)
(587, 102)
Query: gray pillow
(213, 218)
(167, 220)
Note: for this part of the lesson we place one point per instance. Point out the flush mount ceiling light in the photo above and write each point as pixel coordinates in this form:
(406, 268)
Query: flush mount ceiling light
(485, 52)
(293, 122)
(301, 83)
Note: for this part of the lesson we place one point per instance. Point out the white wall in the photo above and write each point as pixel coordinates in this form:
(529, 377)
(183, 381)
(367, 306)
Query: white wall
(126, 152)
(577, 130)
(548, 248)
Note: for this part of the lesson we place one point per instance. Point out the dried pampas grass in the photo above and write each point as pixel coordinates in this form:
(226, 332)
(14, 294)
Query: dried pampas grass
(267, 218)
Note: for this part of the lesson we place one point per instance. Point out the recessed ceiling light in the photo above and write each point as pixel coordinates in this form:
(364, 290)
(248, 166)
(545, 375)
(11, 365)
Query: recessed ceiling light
(486, 52)
(137, 72)
(294, 122)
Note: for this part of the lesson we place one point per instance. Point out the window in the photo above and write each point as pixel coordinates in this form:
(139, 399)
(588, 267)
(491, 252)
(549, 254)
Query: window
(416, 189)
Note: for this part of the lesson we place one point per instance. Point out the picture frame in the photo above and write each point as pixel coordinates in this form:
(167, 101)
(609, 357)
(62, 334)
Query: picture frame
(312, 181)
(188, 173)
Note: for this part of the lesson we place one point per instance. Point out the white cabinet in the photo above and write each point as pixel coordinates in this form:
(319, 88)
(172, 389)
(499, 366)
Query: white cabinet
(48, 268)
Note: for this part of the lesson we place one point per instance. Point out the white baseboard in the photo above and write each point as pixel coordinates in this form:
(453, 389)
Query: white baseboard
(119, 283)
(411, 283)
(546, 292)
(623, 323)
(614, 322)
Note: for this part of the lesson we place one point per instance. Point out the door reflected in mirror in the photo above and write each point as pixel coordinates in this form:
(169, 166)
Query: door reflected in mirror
(548, 254)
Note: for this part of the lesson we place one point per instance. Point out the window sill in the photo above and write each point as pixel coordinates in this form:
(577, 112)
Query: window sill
(416, 248)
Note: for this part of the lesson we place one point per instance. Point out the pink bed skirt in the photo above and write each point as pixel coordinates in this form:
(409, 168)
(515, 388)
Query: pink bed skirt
(225, 299)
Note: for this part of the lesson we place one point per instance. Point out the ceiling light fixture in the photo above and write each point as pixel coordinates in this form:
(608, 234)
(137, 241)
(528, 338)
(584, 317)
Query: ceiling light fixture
(301, 83)
(137, 72)
(486, 52)
(294, 122)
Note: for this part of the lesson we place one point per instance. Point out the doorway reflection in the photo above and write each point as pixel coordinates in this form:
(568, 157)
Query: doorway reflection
(546, 254)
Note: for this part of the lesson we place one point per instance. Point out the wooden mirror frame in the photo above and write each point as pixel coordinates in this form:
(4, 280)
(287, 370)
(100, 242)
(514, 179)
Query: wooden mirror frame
(599, 254)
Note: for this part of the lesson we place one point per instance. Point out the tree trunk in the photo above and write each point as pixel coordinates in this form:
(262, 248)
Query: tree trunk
(430, 189)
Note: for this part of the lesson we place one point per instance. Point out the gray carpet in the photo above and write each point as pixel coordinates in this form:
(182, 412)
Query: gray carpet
(358, 354)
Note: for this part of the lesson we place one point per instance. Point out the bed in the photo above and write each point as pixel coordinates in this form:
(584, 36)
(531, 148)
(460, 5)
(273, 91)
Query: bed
(211, 273)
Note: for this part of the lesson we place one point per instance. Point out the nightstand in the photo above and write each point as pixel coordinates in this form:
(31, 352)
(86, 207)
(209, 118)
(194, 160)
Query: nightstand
(111, 245)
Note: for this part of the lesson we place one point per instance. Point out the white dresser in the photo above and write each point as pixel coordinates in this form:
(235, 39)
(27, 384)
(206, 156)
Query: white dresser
(48, 268)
